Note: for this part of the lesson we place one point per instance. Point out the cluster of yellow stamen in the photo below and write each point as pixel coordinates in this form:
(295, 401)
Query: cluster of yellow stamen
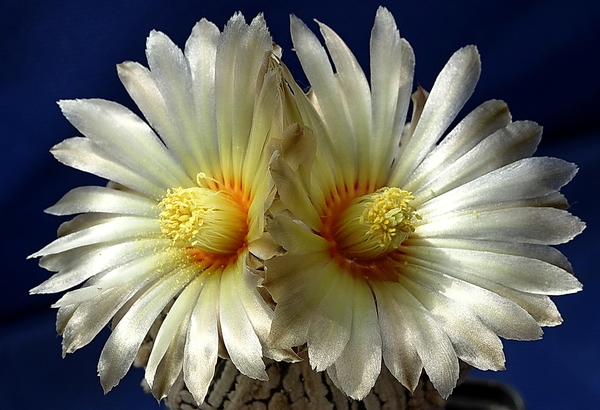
(375, 224)
(211, 221)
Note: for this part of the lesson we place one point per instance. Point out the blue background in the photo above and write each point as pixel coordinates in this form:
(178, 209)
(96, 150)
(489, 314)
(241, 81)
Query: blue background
(541, 57)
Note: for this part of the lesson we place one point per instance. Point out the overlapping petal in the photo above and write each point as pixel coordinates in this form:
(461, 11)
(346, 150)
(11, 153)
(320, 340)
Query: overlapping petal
(211, 110)
(475, 265)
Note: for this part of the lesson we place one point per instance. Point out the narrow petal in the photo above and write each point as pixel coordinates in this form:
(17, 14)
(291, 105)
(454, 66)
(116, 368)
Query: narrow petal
(325, 86)
(102, 199)
(331, 322)
(115, 229)
(178, 314)
(123, 344)
(84, 155)
(483, 121)
(202, 341)
(292, 193)
(87, 261)
(242, 343)
(504, 317)
(398, 344)
(527, 178)
(294, 237)
(521, 273)
(516, 141)
(170, 71)
(433, 345)
(392, 67)
(546, 226)
(358, 367)
(123, 134)
(451, 89)
(474, 342)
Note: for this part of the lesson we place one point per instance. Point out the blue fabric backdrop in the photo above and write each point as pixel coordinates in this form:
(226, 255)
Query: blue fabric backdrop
(540, 57)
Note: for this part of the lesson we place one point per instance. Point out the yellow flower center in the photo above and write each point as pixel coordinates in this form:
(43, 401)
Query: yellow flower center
(375, 224)
(210, 221)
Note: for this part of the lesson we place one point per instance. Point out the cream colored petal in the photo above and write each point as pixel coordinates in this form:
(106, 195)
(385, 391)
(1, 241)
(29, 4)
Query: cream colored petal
(201, 53)
(170, 366)
(170, 71)
(516, 141)
(528, 178)
(355, 97)
(124, 342)
(325, 86)
(294, 237)
(87, 261)
(504, 317)
(433, 345)
(102, 199)
(159, 262)
(359, 365)
(483, 121)
(546, 226)
(292, 193)
(202, 341)
(398, 342)
(240, 339)
(392, 67)
(259, 313)
(519, 272)
(117, 228)
(84, 155)
(473, 342)
(331, 322)
(176, 319)
(240, 65)
(295, 282)
(93, 314)
(452, 88)
(127, 139)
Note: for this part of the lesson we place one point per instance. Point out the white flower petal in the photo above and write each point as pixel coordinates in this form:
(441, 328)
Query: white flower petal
(504, 317)
(547, 226)
(451, 89)
(292, 193)
(170, 71)
(355, 97)
(126, 138)
(519, 272)
(202, 342)
(178, 314)
(170, 366)
(240, 339)
(93, 314)
(527, 178)
(392, 66)
(483, 121)
(242, 49)
(123, 343)
(115, 229)
(433, 345)
(259, 313)
(83, 154)
(87, 261)
(325, 86)
(295, 238)
(102, 199)
(515, 141)
(358, 367)
(331, 322)
(473, 342)
(297, 296)
(398, 343)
